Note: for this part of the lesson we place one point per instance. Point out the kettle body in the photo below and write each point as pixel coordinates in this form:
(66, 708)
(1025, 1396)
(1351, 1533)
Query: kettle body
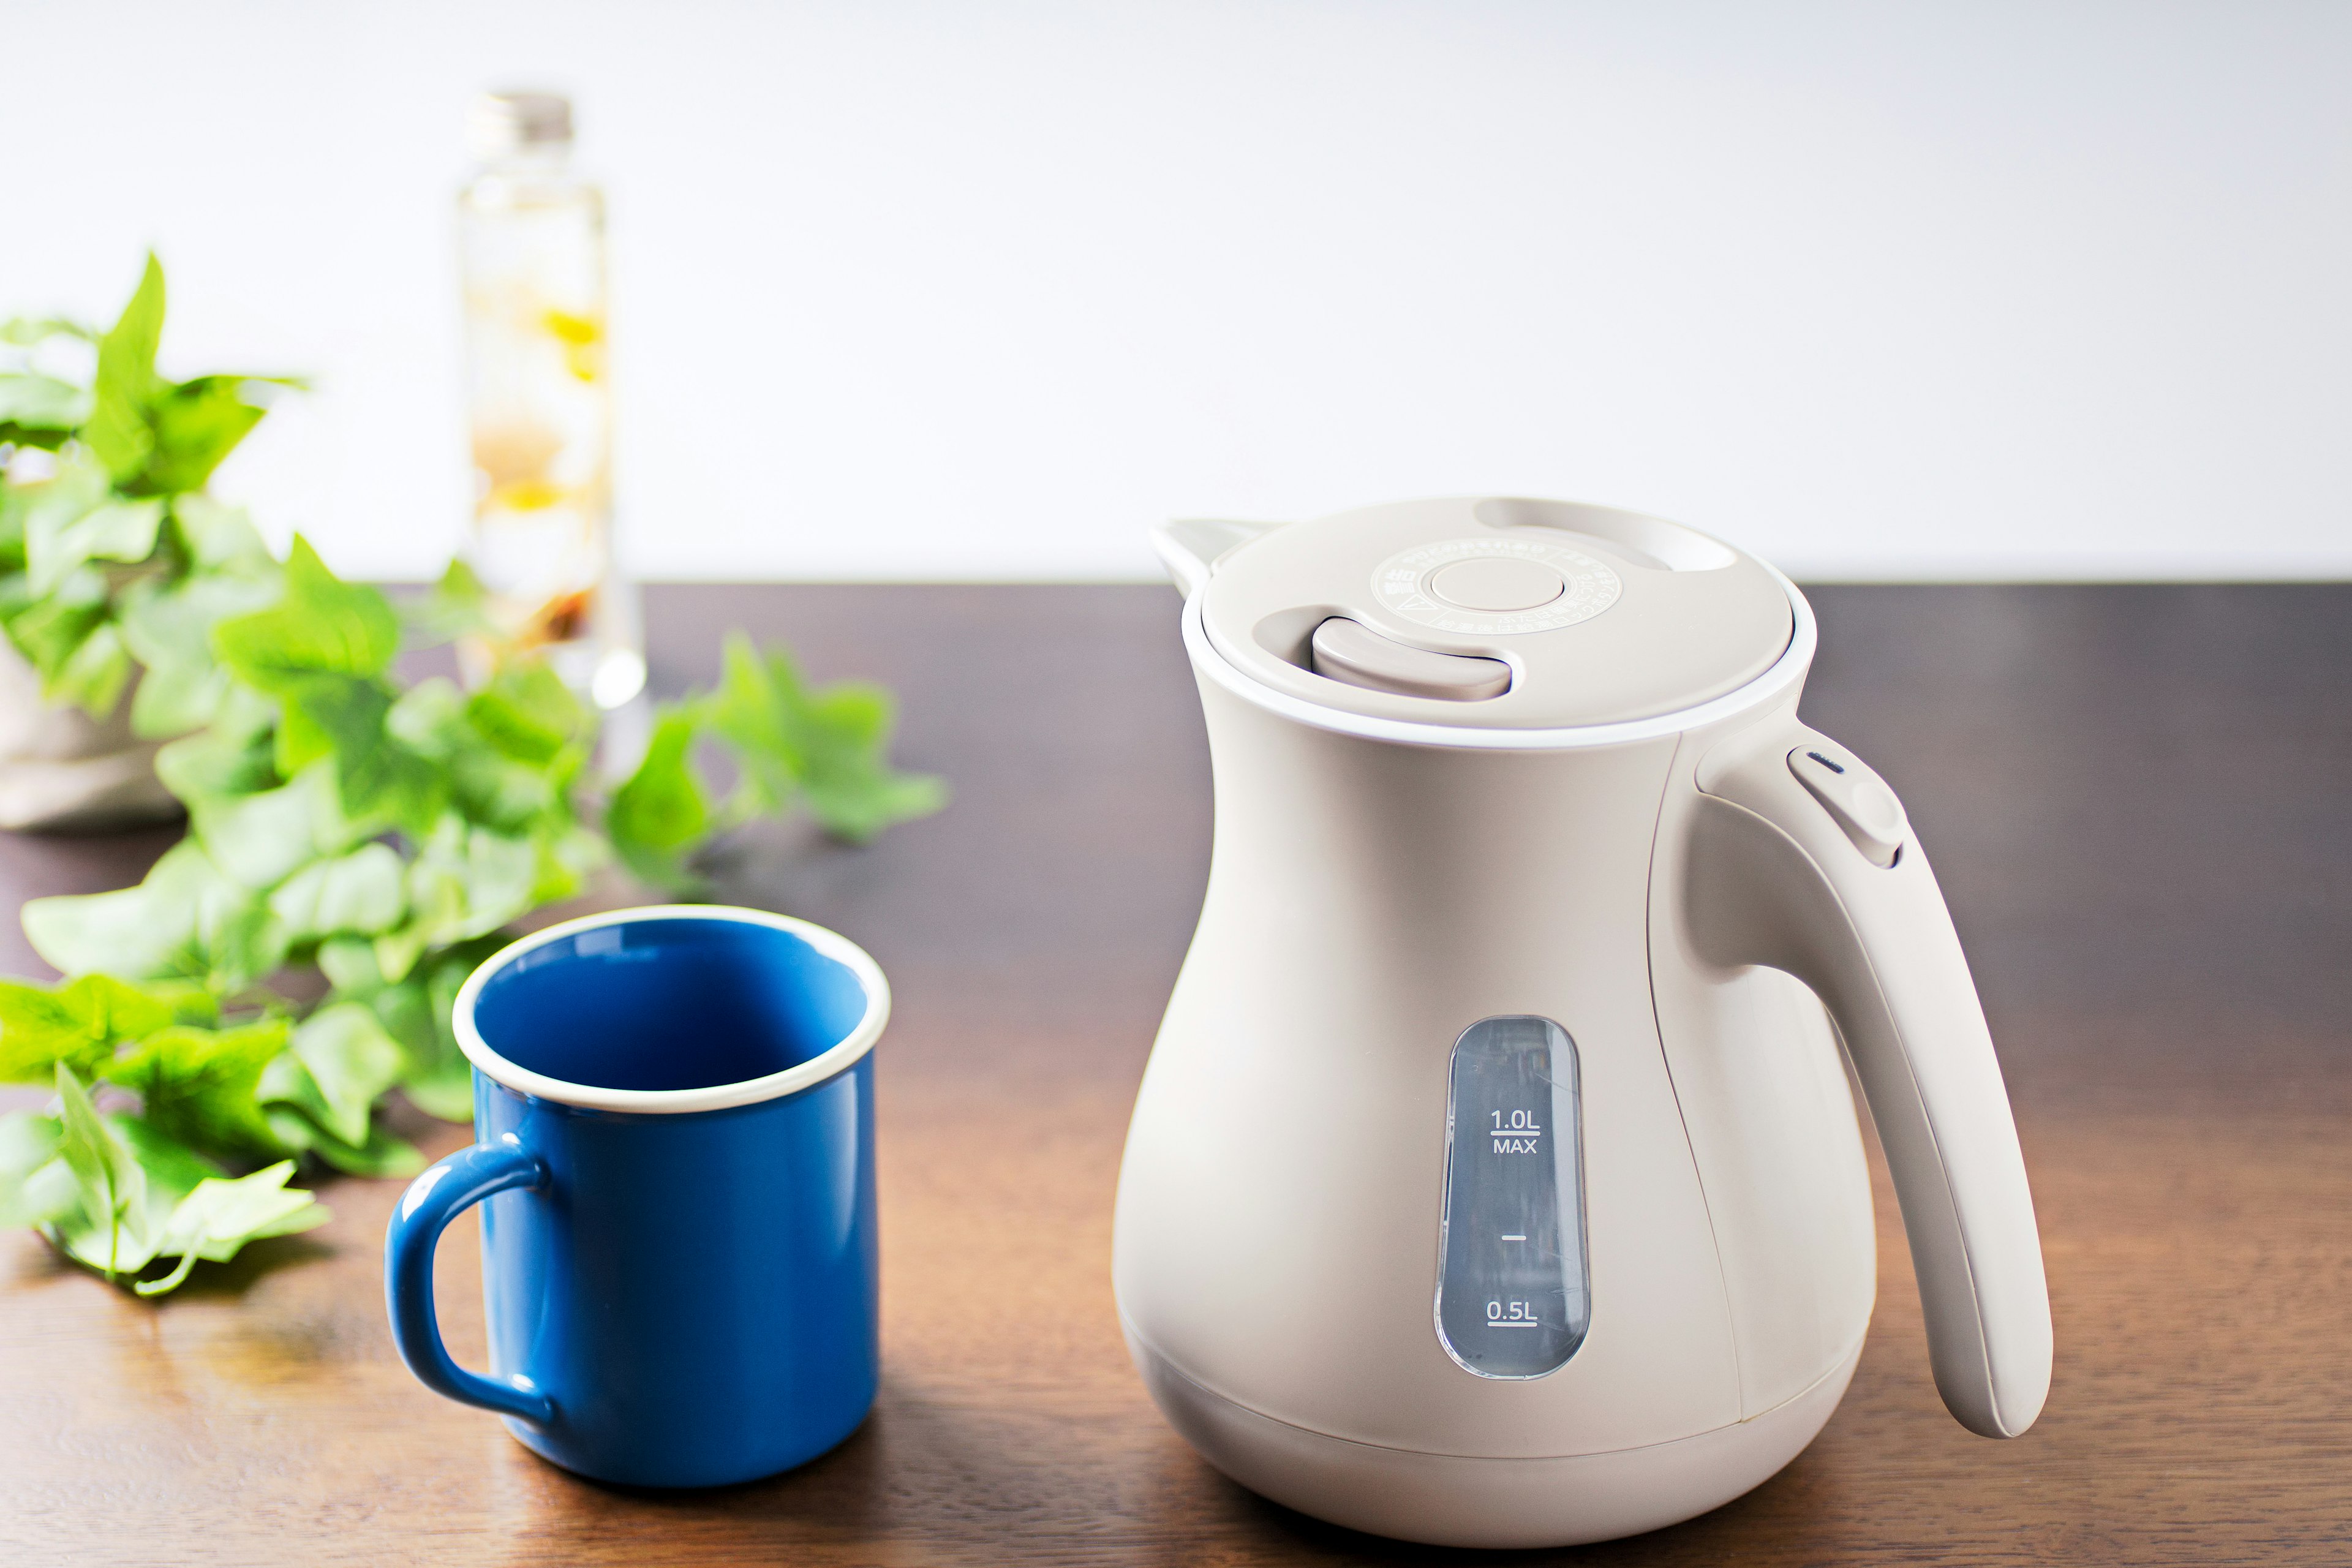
(1495, 1178)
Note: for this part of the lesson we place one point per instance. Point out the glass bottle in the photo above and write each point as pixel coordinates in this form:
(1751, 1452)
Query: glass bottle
(539, 404)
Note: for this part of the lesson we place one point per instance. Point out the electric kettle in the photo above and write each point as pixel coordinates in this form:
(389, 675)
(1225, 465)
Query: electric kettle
(1495, 1179)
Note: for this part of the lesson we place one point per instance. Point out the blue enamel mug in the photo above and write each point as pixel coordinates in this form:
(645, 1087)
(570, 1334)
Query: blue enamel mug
(674, 1116)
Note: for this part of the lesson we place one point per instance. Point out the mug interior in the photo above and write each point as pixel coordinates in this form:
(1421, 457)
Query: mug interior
(671, 1004)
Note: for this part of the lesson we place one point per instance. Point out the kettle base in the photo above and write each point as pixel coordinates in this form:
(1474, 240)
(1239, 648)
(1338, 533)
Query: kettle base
(1452, 1499)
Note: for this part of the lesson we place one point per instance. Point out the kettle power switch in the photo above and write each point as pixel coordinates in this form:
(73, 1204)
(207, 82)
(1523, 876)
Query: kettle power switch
(1857, 798)
(1352, 652)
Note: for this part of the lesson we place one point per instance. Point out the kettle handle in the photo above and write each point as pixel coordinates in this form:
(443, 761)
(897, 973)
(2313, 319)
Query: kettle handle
(1802, 859)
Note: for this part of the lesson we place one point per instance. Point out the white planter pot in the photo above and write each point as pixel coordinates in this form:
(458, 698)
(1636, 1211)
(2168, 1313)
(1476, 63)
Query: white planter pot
(59, 769)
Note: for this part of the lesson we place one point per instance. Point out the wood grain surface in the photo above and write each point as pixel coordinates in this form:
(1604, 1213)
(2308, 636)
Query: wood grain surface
(2135, 796)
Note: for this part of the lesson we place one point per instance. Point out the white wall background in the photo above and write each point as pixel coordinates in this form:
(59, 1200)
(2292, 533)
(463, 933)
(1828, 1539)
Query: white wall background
(910, 289)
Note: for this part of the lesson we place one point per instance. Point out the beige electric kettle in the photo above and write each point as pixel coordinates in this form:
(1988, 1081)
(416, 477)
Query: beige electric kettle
(1495, 1179)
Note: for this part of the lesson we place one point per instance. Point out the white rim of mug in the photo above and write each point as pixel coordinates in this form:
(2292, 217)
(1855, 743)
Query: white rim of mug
(1783, 673)
(672, 1101)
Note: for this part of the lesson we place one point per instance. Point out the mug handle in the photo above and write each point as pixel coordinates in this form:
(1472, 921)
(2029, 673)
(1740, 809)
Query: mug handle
(430, 1202)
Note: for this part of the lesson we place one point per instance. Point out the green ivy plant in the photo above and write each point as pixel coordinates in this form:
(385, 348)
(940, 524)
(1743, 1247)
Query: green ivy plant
(354, 836)
(109, 551)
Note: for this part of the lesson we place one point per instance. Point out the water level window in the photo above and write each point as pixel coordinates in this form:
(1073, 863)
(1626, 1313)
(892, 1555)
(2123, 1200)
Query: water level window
(1514, 1298)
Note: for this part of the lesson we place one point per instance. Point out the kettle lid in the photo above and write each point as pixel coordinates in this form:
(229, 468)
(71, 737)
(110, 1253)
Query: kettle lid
(1495, 612)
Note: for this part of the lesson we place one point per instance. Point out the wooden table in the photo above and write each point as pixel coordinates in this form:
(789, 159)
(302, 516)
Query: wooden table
(2137, 800)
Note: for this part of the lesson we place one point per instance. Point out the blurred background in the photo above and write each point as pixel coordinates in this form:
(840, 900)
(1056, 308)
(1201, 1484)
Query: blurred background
(945, 292)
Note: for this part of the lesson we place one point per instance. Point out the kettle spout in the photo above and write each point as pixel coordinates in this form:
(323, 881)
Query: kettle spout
(1189, 547)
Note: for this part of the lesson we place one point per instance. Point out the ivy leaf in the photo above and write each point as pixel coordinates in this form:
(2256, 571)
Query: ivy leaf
(432, 719)
(444, 1090)
(15, 500)
(197, 424)
(513, 797)
(116, 1193)
(28, 330)
(234, 754)
(93, 675)
(173, 1168)
(405, 1010)
(48, 630)
(232, 953)
(217, 1219)
(429, 719)
(118, 431)
(846, 779)
(132, 932)
(347, 1061)
(500, 872)
(58, 540)
(467, 881)
(384, 1154)
(35, 1188)
(509, 749)
(528, 713)
(349, 718)
(260, 839)
(380, 778)
(321, 625)
(457, 606)
(187, 920)
(169, 1170)
(36, 406)
(37, 409)
(107, 1008)
(168, 631)
(442, 1083)
(568, 855)
(47, 509)
(760, 719)
(112, 1231)
(78, 1026)
(350, 966)
(57, 613)
(832, 746)
(416, 1012)
(199, 1087)
(359, 892)
(222, 538)
(396, 952)
(658, 818)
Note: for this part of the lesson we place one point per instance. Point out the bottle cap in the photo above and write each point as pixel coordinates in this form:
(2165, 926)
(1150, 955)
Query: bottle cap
(502, 125)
